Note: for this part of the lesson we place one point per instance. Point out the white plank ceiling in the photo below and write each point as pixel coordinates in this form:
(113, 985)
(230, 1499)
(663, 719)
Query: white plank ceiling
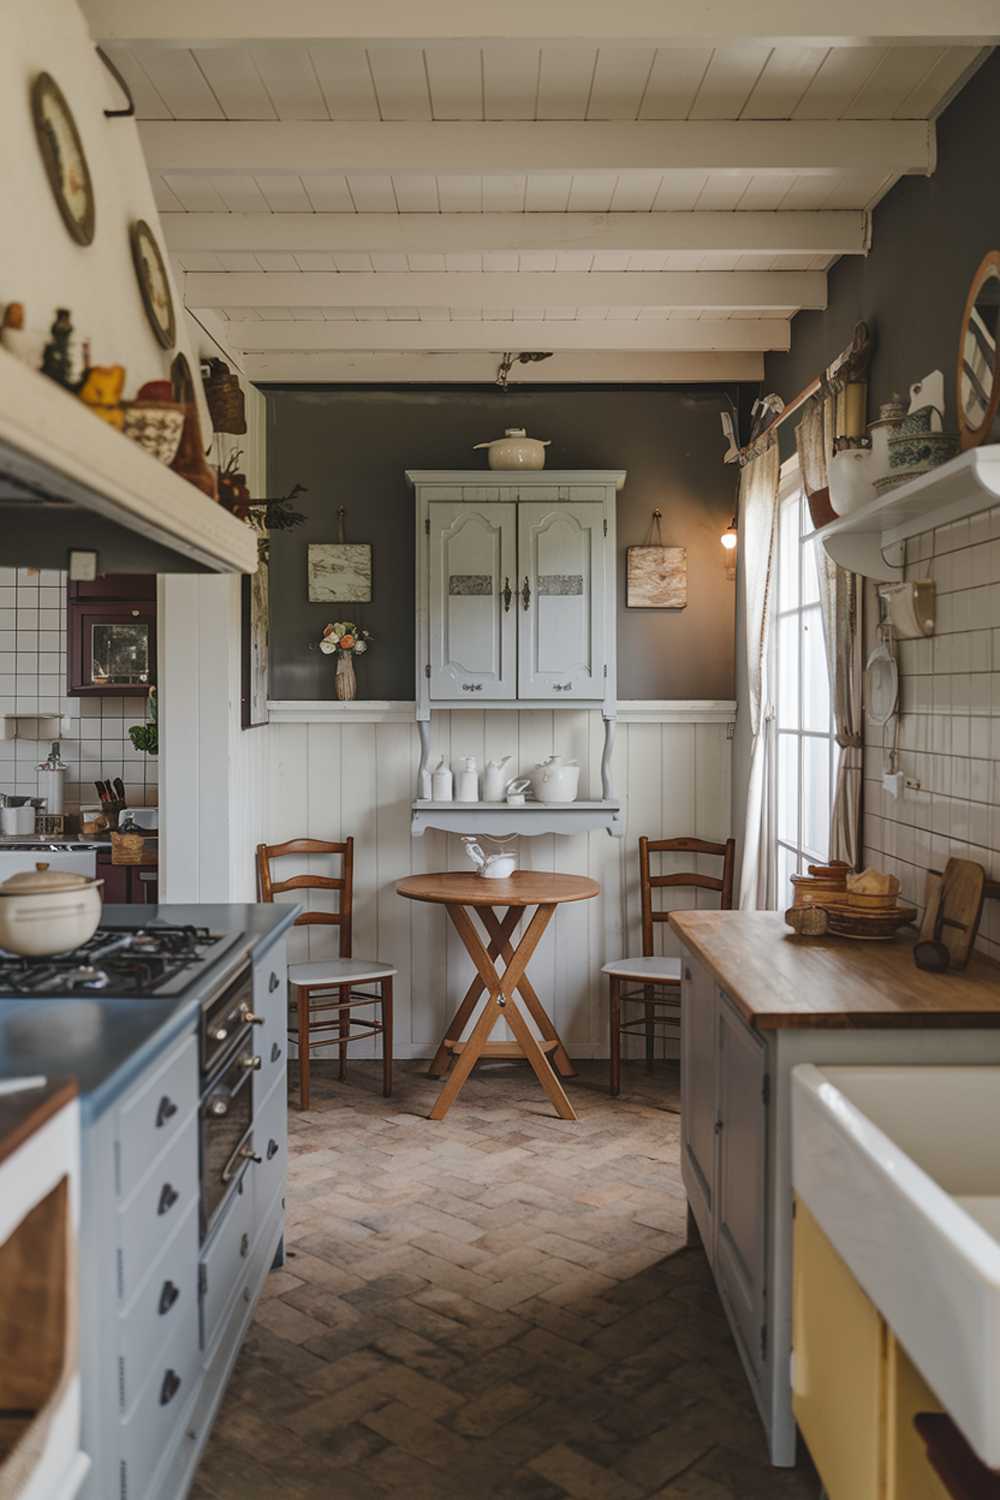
(254, 221)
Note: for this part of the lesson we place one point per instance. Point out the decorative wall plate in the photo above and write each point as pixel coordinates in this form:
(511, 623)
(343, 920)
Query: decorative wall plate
(153, 283)
(64, 159)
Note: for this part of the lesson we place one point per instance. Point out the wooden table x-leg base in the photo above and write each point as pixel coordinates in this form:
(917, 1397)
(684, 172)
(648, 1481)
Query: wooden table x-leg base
(501, 1003)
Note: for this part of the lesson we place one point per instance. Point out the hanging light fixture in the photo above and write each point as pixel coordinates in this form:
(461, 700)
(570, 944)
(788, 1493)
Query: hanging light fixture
(731, 535)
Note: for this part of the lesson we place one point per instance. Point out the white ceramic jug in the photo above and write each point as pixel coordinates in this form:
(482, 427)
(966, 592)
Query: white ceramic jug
(467, 781)
(556, 779)
(441, 782)
(495, 780)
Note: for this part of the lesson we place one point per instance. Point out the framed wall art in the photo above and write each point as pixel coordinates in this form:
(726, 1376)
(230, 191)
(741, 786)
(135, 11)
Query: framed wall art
(340, 572)
(656, 577)
(256, 644)
(64, 159)
(154, 284)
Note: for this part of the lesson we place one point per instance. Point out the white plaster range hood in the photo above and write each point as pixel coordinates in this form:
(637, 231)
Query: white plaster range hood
(68, 481)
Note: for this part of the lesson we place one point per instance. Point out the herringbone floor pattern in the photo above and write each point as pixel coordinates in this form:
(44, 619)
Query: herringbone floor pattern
(498, 1305)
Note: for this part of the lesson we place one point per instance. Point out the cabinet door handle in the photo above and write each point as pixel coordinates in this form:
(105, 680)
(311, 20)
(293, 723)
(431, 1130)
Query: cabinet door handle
(171, 1385)
(244, 1246)
(507, 596)
(272, 1149)
(718, 1127)
(272, 983)
(165, 1110)
(275, 1052)
(472, 687)
(168, 1296)
(168, 1197)
(687, 973)
(562, 687)
(525, 592)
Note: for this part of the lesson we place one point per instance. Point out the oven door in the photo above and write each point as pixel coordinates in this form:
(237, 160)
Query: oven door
(226, 1130)
(223, 1021)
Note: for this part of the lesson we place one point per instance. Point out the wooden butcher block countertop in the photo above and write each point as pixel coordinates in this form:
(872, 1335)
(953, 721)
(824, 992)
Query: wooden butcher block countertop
(778, 979)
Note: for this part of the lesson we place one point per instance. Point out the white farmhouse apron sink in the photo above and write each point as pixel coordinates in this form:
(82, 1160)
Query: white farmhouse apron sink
(901, 1168)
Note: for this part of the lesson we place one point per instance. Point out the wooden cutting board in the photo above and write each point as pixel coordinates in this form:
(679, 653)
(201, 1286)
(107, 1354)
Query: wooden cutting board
(953, 907)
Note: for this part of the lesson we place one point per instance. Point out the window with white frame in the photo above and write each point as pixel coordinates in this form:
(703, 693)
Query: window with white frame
(805, 760)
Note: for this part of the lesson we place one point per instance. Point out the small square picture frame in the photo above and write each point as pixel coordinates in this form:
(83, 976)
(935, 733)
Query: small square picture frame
(656, 577)
(340, 572)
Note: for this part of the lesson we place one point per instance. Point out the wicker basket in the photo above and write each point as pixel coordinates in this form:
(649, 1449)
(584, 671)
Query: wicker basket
(155, 426)
(127, 848)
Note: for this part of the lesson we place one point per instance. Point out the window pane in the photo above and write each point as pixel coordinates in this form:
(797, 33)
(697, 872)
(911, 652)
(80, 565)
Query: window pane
(788, 672)
(815, 797)
(815, 679)
(788, 788)
(810, 582)
(787, 863)
(788, 555)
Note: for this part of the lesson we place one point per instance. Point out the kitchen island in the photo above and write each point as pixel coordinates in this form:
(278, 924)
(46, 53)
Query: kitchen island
(184, 1155)
(756, 1000)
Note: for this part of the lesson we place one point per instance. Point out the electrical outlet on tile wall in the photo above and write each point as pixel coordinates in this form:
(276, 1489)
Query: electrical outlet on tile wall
(33, 680)
(949, 727)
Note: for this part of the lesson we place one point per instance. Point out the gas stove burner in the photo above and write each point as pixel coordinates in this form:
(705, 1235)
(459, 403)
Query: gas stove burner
(119, 962)
(87, 977)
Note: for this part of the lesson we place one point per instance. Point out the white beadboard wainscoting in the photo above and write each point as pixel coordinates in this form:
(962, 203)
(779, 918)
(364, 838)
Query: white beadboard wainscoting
(349, 769)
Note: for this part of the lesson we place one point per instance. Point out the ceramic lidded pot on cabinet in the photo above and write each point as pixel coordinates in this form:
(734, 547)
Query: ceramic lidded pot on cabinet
(515, 450)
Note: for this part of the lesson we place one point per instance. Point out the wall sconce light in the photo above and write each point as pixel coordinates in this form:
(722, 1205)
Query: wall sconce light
(730, 536)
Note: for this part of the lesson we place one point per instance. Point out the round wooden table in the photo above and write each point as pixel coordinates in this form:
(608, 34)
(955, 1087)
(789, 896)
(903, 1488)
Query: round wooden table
(462, 894)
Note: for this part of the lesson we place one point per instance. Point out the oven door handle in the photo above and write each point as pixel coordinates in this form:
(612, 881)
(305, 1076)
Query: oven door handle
(218, 1094)
(242, 1155)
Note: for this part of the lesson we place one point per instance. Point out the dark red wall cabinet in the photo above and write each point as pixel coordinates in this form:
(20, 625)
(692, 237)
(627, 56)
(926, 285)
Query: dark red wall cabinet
(128, 885)
(111, 630)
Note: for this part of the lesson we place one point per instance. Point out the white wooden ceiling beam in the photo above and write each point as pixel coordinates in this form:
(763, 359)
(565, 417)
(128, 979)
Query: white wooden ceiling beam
(480, 367)
(794, 233)
(803, 147)
(666, 335)
(855, 22)
(729, 291)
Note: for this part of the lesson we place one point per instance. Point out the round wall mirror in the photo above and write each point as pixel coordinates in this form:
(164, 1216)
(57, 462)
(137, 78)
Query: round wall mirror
(978, 389)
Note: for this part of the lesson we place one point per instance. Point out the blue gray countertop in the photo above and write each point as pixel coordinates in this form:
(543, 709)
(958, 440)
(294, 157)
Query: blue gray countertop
(106, 1044)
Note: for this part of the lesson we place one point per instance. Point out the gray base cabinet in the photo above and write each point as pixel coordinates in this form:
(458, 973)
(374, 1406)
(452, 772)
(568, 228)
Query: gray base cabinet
(736, 1159)
(163, 1315)
(724, 1131)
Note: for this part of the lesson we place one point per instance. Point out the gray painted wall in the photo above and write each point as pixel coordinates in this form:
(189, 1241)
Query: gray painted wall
(929, 234)
(350, 446)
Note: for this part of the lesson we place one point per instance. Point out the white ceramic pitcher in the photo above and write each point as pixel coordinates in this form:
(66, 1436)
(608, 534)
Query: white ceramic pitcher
(495, 780)
(490, 866)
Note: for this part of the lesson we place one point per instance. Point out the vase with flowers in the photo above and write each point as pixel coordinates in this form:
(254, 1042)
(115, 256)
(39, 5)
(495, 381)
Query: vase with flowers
(348, 640)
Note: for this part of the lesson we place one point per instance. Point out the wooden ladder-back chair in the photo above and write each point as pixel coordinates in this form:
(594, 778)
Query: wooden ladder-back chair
(330, 984)
(659, 976)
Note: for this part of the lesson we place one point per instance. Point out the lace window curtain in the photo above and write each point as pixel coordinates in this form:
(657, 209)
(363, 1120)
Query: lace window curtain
(841, 602)
(758, 527)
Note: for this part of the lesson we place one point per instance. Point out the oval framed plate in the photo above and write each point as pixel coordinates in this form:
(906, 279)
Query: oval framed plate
(154, 284)
(63, 155)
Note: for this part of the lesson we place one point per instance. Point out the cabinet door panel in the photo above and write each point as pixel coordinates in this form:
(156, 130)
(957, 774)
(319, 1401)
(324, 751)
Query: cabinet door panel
(562, 631)
(699, 1056)
(740, 1207)
(472, 626)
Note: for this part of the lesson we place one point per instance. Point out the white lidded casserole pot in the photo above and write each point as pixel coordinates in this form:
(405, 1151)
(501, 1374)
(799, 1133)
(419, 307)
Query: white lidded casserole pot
(515, 450)
(45, 911)
(556, 780)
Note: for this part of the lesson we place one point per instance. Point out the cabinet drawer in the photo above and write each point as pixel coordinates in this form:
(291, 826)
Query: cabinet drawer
(270, 1001)
(161, 1303)
(270, 1140)
(224, 1262)
(157, 1205)
(154, 1114)
(162, 1404)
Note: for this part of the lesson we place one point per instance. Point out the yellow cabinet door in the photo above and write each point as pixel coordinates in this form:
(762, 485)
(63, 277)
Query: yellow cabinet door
(909, 1475)
(838, 1368)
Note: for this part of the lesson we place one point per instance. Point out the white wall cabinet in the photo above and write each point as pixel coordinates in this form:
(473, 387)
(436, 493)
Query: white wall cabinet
(515, 588)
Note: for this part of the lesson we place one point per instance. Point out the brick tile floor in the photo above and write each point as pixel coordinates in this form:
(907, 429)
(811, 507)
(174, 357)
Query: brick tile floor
(497, 1305)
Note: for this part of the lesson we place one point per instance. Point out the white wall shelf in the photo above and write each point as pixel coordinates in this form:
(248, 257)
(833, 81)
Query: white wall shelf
(404, 711)
(869, 541)
(532, 819)
(34, 726)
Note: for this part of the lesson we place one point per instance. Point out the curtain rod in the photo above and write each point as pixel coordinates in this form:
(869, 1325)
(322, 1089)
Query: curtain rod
(857, 352)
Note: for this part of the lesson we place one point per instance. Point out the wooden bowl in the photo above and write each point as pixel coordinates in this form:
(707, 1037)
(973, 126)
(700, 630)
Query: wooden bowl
(871, 926)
